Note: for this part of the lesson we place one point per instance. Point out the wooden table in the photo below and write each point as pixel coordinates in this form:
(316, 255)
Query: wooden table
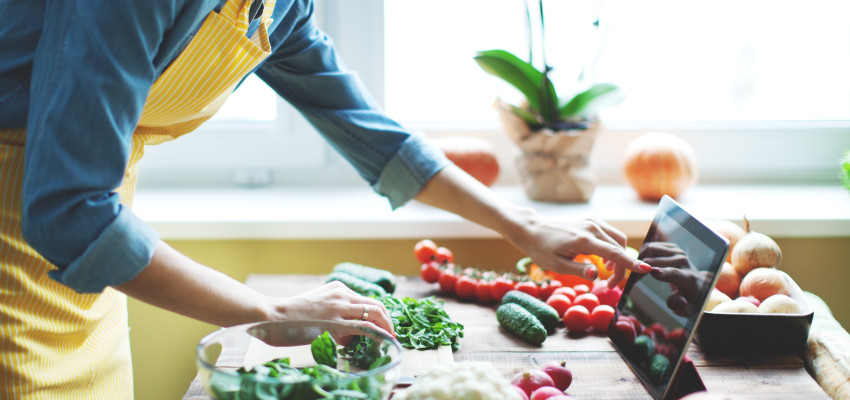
(599, 371)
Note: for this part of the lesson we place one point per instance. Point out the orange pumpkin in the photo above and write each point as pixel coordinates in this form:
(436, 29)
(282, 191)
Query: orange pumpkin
(658, 163)
(475, 156)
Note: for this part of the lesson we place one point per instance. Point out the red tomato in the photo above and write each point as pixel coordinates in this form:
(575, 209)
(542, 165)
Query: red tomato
(430, 272)
(465, 287)
(560, 303)
(444, 255)
(588, 300)
(658, 330)
(601, 316)
(677, 337)
(529, 287)
(501, 285)
(447, 280)
(548, 287)
(484, 291)
(566, 291)
(581, 288)
(577, 319)
(627, 329)
(424, 250)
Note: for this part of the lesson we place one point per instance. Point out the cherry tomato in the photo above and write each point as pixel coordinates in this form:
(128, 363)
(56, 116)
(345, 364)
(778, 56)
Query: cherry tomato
(577, 319)
(581, 288)
(588, 300)
(566, 291)
(627, 329)
(443, 255)
(501, 285)
(529, 287)
(465, 287)
(447, 280)
(484, 291)
(424, 250)
(430, 272)
(560, 303)
(548, 287)
(600, 317)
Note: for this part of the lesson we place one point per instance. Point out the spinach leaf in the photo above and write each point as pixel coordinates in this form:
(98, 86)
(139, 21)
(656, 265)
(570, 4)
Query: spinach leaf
(324, 349)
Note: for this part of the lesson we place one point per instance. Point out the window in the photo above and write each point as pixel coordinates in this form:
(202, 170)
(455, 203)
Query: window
(760, 88)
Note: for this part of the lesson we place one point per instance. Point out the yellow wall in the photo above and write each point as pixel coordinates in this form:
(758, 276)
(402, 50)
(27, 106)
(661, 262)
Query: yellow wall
(164, 343)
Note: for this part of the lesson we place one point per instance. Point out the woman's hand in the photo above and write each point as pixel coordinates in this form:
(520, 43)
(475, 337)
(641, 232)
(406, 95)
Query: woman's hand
(336, 302)
(554, 245)
(551, 244)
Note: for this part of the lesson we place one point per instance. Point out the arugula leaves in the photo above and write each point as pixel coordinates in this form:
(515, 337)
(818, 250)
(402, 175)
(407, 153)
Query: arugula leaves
(422, 324)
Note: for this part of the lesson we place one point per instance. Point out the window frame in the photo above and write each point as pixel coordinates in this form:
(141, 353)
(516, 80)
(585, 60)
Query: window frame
(290, 151)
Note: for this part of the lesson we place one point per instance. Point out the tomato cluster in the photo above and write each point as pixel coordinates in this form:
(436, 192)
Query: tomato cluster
(487, 286)
(474, 284)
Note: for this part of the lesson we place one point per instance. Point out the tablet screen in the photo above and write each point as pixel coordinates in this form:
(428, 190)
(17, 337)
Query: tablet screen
(658, 311)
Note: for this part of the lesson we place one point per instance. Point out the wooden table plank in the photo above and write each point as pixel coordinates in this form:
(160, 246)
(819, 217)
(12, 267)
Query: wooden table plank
(599, 371)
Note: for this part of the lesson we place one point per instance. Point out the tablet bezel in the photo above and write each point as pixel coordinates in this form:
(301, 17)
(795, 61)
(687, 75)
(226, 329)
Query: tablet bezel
(667, 207)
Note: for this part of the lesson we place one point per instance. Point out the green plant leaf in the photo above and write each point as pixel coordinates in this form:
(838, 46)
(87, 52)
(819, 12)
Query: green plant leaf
(526, 116)
(324, 349)
(844, 172)
(521, 75)
(588, 102)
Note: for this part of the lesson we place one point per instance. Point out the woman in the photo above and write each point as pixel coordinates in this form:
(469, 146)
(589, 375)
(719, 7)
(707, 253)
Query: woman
(85, 86)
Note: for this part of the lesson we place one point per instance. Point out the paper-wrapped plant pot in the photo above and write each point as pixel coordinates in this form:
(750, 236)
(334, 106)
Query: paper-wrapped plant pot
(552, 166)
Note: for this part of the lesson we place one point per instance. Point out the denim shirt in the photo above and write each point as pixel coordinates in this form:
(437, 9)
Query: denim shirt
(76, 74)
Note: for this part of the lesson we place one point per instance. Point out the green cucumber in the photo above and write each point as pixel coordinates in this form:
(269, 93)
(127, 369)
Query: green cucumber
(521, 322)
(356, 284)
(547, 315)
(380, 277)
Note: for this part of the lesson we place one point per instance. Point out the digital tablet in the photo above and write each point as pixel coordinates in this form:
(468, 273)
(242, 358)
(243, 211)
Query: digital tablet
(658, 311)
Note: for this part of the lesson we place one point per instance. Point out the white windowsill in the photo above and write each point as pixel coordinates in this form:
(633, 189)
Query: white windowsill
(306, 212)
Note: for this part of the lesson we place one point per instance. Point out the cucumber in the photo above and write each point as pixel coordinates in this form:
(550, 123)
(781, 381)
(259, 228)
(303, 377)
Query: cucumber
(380, 277)
(356, 284)
(521, 322)
(547, 315)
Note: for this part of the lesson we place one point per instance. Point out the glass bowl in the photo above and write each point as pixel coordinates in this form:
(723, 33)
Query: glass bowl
(241, 362)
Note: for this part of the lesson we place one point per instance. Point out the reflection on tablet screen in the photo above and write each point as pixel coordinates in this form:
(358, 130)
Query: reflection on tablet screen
(659, 310)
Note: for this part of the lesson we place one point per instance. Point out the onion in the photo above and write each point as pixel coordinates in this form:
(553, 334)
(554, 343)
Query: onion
(736, 307)
(780, 304)
(755, 250)
(729, 230)
(763, 282)
(658, 163)
(728, 280)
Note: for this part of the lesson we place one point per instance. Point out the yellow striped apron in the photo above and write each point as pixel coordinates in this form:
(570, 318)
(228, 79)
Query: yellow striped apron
(59, 344)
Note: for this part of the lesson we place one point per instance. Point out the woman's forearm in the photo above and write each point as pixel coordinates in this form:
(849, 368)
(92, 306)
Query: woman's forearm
(176, 283)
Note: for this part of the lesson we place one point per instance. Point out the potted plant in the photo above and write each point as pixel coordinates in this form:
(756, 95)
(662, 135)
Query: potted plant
(554, 132)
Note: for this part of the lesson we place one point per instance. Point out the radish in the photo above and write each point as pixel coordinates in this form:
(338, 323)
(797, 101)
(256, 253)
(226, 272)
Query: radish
(560, 374)
(545, 393)
(530, 379)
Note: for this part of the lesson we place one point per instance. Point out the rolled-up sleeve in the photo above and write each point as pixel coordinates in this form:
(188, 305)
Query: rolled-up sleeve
(306, 70)
(91, 74)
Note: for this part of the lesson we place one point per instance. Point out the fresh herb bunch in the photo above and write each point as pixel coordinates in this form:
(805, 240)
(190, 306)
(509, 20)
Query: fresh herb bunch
(845, 170)
(422, 324)
(544, 108)
(322, 381)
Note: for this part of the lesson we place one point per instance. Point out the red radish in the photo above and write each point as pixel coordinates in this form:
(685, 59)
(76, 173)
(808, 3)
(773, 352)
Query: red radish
(521, 392)
(545, 392)
(560, 374)
(530, 379)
